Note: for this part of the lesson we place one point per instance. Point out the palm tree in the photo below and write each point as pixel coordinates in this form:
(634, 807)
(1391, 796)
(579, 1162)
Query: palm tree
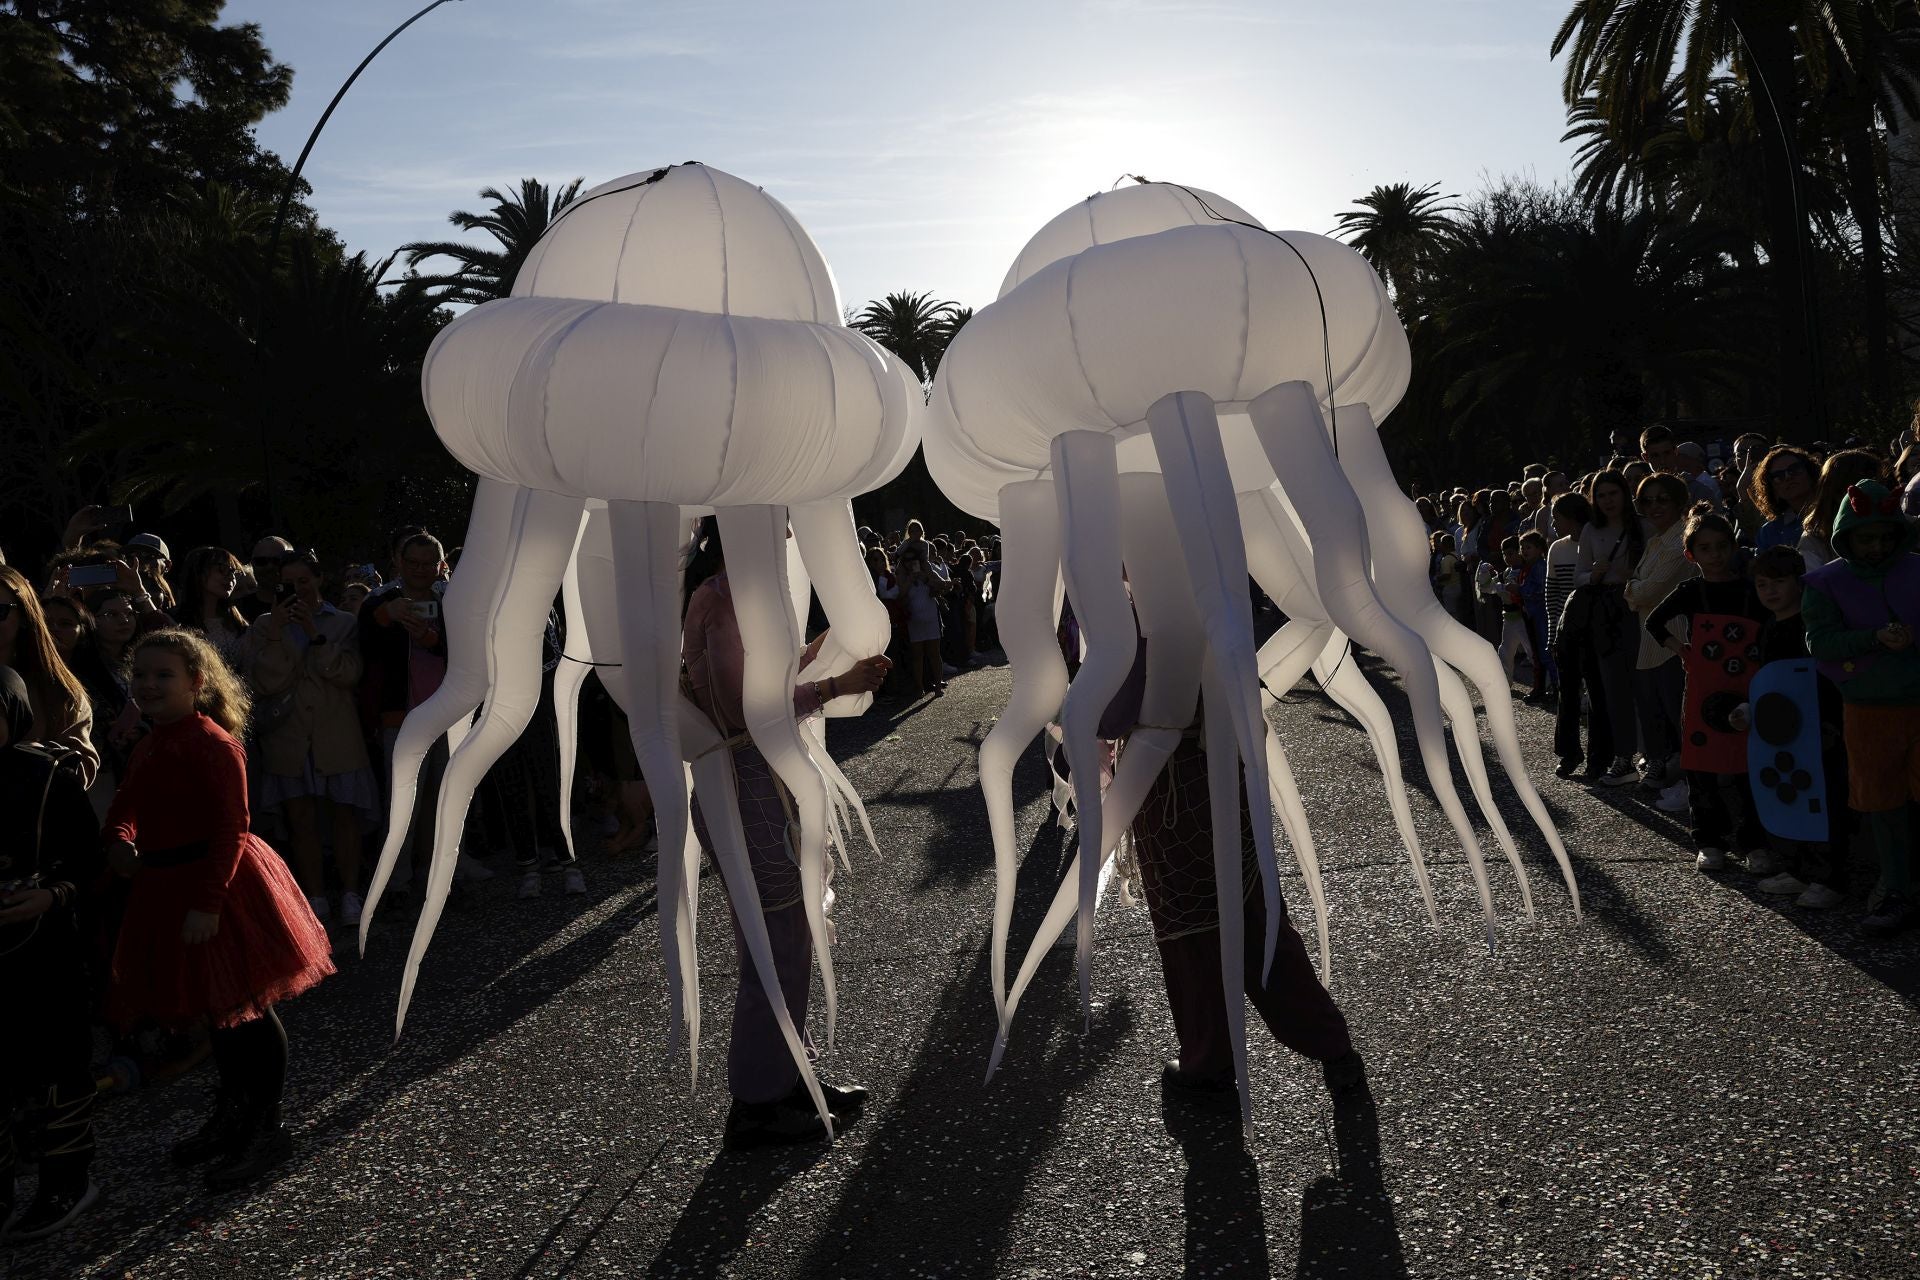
(516, 222)
(912, 326)
(1624, 53)
(1398, 228)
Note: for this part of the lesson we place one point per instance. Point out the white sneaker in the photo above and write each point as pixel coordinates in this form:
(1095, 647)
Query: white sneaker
(1819, 898)
(530, 885)
(350, 907)
(1711, 859)
(1761, 862)
(575, 882)
(471, 868)
(1674, 799)
(1784, 885)
(318, 901)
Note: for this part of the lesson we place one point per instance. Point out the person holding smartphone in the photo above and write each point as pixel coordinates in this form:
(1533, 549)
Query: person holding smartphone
(268, 554)
(404, 653)
(306, 653)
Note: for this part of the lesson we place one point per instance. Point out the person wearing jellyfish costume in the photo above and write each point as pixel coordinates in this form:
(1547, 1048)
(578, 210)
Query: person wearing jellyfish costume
(1173, 848)
(1166, 400)
(770, 1104)
(673, 348)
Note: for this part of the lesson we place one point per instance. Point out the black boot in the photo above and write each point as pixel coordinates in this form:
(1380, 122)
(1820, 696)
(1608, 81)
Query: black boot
(215, 1137)
(53, 1208)
(261, 1146)
(781, 1123)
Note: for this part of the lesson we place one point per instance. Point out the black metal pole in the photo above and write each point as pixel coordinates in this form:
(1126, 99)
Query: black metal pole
(279, 223)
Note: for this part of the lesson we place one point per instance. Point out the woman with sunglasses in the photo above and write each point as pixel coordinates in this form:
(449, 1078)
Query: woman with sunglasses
(1782, 488)
(62, 714)
(1659, 678)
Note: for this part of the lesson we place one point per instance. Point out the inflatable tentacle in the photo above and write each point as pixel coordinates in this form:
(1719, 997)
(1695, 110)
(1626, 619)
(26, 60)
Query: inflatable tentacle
(1193, 463)
(1223, 786)
(858, 626)
(541, 535)
(576, 664)
(1458, 705)
(1086, 480)
(1027, 607)
(1347, 685)
(645, 541)
(1146, 755)
(464, 609)
(756, 541)
(1396, 541)
(1288, 422)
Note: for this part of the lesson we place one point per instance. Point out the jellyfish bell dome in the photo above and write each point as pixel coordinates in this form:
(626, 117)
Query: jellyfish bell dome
(674, 337)
(1120, 214)
(687, 236)
(1091, 340)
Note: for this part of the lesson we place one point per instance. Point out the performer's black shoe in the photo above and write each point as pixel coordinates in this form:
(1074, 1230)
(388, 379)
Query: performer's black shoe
(840, 1097)
(1346, 1073)
(1207, 1091)
(782, 1123)
(213, 1139)
(263, 1145)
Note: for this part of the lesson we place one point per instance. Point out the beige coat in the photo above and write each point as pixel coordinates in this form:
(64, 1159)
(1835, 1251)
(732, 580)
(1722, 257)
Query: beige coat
(324, 716)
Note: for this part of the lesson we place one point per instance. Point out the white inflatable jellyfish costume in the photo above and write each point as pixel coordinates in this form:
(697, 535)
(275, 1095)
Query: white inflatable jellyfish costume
(1166, 389)
(673, 345)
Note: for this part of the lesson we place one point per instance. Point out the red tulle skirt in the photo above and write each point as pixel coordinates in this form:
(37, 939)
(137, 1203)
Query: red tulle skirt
(268, 948)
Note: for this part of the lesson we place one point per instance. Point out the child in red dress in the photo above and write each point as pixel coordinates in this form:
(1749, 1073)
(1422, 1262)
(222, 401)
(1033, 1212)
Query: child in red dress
(216, 930)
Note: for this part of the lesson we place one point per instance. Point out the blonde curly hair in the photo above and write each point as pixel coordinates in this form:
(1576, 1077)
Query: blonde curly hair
(223, 695)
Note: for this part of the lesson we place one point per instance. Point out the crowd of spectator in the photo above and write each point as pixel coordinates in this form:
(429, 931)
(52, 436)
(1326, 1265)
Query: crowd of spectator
(1592, 584)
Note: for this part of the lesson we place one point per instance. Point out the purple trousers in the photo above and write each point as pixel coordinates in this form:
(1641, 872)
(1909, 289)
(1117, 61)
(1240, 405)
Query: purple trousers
(759, 1068)
(1173, 840)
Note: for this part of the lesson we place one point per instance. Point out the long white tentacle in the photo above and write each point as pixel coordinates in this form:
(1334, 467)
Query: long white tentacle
(543, 532)
(464, 609)
(1223, 788)
(1086, 481)
(576, 664)
(1026, 610)
(1288, 422)
(1458, 704)
(1186, 439)
(756, 542)
(1394, 528)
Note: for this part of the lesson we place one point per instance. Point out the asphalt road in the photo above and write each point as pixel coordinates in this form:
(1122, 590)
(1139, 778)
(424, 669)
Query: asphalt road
(1693, 1082)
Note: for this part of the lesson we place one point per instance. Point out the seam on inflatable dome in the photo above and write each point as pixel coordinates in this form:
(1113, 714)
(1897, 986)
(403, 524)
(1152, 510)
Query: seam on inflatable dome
(813, 286)
(620, 256)
(726, 282)
(1074, 338)
(1246, 312)
(552, 346)
(733, 403)
(833, 374)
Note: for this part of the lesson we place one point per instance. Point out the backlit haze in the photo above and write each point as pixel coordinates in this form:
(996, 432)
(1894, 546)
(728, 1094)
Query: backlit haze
(920, 144)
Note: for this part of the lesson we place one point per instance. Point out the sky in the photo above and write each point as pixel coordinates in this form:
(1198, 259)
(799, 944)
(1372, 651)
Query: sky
(920, 144)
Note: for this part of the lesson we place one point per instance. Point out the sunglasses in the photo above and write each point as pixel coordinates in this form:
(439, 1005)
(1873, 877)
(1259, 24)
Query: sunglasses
(1786, 473)
(6, 609)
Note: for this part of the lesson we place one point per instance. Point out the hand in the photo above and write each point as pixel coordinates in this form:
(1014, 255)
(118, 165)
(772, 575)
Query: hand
(199, 926)
(276, 621)
(58, 588)
(1894, 636)
(867, 675)
(122, 857)
(400, 610)
(301, 617)
(26, 904)
(126, 576)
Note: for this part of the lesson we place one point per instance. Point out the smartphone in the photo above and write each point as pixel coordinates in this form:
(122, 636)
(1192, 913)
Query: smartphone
(93, 575)
(112, 517)
(283, 593)
(426, 608)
